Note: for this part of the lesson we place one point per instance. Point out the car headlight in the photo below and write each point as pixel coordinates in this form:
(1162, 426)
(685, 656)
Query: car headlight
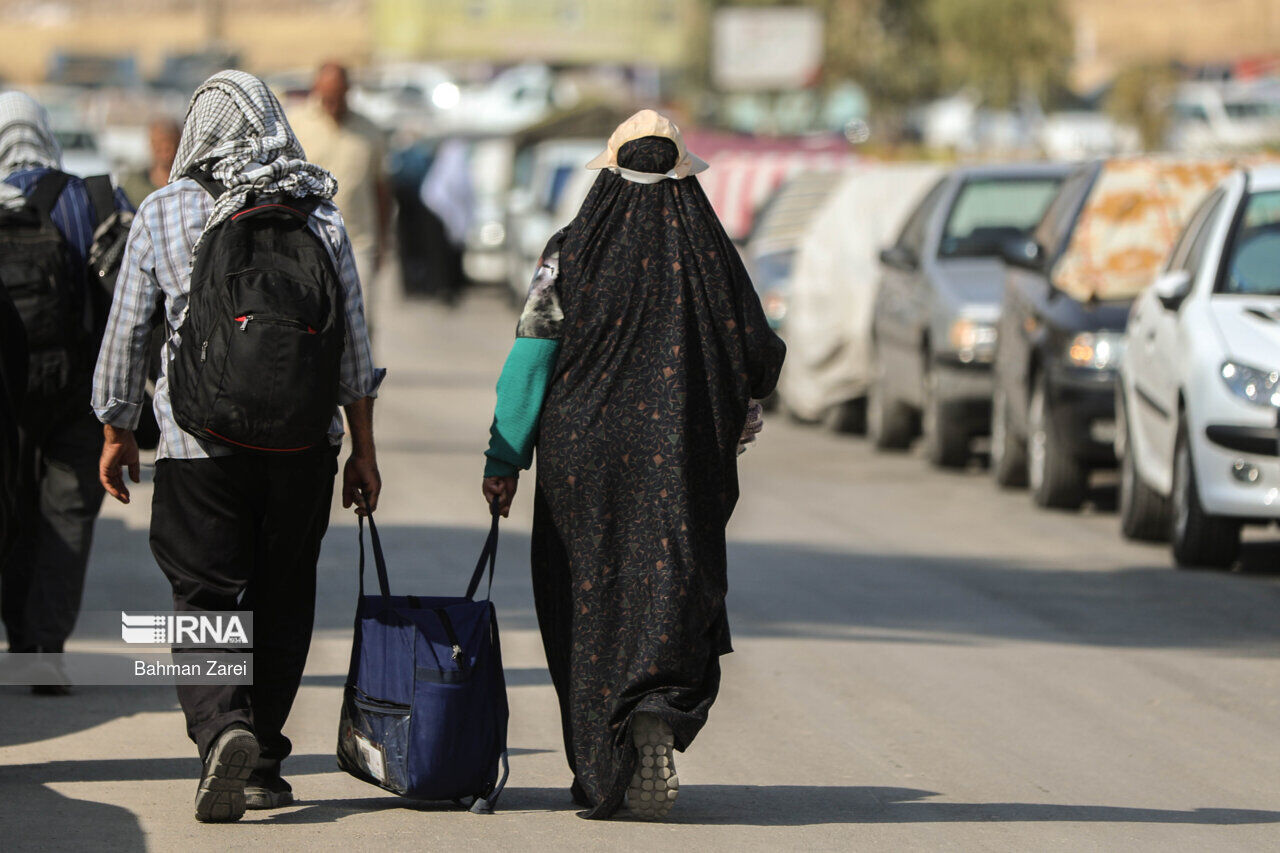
(1096, 350)
(973, 340)
(1261, 387)
(775, 305)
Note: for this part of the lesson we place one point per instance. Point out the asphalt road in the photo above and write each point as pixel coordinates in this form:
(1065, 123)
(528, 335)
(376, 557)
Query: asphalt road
(923, 663)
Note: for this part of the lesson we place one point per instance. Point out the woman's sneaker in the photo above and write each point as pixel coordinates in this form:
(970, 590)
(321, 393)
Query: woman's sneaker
(266, 788)
(655, 784)
(220, 797)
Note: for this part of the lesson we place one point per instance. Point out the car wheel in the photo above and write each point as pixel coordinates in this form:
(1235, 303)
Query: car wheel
(946, 442)
(1199, 539)
(888, 421)
(1144, 513)
(849, 417)
(1056, 477)
(1008, 452)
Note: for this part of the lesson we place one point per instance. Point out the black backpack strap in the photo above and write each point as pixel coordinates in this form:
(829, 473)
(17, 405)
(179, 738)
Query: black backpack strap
(44, 195)
(103, 196)
(202, 177)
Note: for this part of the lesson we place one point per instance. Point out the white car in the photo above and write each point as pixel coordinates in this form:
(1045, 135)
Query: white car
(1198, 408)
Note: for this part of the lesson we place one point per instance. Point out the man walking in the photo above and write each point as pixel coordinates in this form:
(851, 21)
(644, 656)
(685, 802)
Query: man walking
(234, 529)
(353, 148)
(47, 222)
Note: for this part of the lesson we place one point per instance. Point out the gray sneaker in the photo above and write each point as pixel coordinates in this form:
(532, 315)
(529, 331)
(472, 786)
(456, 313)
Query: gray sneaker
(233, 756)
(654, 785)
(266, 788)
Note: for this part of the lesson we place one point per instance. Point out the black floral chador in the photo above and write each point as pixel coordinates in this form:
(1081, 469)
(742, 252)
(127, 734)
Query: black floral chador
(662, 345)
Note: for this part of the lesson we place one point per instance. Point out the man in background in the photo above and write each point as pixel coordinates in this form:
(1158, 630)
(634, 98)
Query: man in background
(353, 149)
(163, 135)
(58, 498)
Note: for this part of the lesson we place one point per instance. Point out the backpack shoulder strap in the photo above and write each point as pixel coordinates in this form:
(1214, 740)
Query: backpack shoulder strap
(103, 196)
(44, 196)
(202, 177)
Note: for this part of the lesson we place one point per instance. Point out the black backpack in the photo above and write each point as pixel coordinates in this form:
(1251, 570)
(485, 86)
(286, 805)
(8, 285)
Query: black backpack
(261, 345)
(38, 273)
(110, 233)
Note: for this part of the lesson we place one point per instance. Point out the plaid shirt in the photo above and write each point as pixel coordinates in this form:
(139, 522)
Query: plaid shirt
(157, 265)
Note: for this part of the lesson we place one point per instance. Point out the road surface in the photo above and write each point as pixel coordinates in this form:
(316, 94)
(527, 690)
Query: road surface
(922, 663)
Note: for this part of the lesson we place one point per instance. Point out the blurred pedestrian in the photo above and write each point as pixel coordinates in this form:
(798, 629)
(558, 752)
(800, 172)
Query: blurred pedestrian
(418, 231)
(636, 358)
(353, 149)
(47, 221)
(234, 529)
(162, 135)
(13, 388)
(447, 192)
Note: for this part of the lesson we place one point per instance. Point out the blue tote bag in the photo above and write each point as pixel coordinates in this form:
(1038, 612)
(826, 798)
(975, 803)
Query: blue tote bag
(424, 710)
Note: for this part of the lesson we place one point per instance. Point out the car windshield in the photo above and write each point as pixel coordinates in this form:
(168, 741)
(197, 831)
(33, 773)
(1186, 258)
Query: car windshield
(987, 212)
(1254, 263)
(75, 140)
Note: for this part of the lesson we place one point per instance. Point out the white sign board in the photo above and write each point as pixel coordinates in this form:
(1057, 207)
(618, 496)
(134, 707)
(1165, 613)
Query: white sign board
(769, 48)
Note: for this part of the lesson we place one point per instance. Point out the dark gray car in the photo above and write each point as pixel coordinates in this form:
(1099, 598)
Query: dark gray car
(934, 321)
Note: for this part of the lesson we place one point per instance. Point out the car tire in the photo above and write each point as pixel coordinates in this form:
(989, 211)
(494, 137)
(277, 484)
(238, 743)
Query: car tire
(1057, 478)
(1199, 540)
(889, 422)
(847, 417)
(1008, 452)
(1144, 513)
(946, 442)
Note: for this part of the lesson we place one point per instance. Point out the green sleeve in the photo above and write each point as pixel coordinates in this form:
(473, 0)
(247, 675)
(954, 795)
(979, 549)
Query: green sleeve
(522, 387)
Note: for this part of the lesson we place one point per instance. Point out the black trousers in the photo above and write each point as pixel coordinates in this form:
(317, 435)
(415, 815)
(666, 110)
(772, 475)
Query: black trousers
(59, 442)
(243, 532)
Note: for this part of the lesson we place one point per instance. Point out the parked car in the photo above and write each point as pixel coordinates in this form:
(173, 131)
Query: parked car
(1068, 289)
(1198, 402)
(80, 153)
(933, 325)
(833, 286)
(484, 258)
(775, 237)
(1223, 117)
(542, 172)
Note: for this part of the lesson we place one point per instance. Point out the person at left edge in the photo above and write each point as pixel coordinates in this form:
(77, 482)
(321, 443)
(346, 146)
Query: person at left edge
(58, 491)
(234, 530)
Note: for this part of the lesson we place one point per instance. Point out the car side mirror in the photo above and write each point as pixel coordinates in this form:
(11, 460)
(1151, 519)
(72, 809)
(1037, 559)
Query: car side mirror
(1022, 252)
(1172, 288)
(899, 257)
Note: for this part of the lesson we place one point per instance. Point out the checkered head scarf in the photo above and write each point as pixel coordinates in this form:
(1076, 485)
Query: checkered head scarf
(237, 129)
(26, 141)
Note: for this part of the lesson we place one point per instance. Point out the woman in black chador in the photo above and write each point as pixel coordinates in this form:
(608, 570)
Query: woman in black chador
(636, 361)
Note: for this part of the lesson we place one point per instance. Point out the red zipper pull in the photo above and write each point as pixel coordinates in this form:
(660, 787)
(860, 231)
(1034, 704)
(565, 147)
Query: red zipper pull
(244, 321)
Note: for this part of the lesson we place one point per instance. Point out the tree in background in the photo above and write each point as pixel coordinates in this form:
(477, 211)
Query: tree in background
(1004, 50)
(1140, 97)
(903, 52)
(889, 47)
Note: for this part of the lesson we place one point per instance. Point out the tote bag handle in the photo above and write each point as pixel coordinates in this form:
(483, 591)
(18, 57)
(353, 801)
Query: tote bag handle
(379, 561)
(488, 554)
